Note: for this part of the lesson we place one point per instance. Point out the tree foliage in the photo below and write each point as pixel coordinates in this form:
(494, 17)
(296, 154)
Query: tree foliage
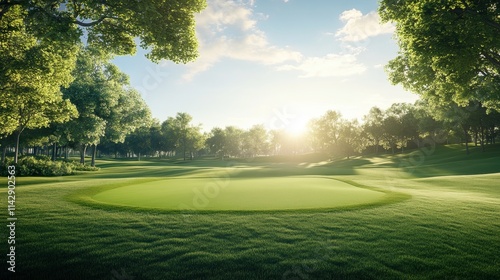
(32, 72)
(108, 108)
(165, 27)
(449, 49)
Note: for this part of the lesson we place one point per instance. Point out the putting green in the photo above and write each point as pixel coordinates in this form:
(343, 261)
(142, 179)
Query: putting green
(282, 193)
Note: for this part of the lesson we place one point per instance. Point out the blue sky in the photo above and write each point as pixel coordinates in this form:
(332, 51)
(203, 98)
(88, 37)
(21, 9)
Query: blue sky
(275, 62)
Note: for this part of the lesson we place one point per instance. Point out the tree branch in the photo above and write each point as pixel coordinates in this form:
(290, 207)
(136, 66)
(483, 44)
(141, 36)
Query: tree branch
(492, 60)
(93, 23)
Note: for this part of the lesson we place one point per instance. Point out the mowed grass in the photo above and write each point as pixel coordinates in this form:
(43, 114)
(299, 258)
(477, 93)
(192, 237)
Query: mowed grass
(255, 194)
(444, 223)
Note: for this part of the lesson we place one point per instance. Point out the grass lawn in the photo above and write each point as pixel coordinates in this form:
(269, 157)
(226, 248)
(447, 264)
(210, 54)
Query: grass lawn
(423, 215)
(281, 193)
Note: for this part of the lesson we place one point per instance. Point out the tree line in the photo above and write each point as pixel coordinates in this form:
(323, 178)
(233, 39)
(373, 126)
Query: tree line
(55, 78)
(113, 120)
(393, 130)
(58, 88)
(401, 126)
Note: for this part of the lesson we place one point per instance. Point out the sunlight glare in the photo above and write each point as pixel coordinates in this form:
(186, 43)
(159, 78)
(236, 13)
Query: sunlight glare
(297, 127)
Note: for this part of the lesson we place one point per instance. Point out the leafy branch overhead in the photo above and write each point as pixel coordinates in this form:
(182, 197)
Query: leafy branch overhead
(166, 28)
(448, 49)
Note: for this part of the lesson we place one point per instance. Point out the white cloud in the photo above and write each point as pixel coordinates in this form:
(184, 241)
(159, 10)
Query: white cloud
(227, 29)
(359, 27)
(332, 65)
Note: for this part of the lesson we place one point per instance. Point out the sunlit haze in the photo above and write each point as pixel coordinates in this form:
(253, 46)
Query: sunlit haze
(276, 63)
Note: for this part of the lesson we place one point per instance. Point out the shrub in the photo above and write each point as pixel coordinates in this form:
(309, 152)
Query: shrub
(43, 166)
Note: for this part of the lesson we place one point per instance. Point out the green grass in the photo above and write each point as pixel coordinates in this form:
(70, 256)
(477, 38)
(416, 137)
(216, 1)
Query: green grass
(290, 193)
(442, 221)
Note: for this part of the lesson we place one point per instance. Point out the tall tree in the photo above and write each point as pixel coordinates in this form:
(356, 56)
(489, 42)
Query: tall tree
(255, 141)
(188, 137)
(372, 126)
(234, 138)
(456, 116)
(216, 142)
(104, 102)
(326, 132)
(32, 72)
(447, 48)
(350, 141)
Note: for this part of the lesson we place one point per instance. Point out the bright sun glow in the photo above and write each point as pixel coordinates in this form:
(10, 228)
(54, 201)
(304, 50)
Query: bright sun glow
(297, 127)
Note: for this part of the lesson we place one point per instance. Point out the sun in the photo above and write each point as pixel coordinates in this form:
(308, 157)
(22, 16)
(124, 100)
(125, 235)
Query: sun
(296, 127)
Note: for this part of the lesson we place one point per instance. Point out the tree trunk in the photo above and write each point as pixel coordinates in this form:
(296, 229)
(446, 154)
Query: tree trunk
(483, 140)
(83, 150)
(4, 153)
(66, 152)
(18, 135)
(94, 152)
(466, 141)
(139, 156)
(54, 151)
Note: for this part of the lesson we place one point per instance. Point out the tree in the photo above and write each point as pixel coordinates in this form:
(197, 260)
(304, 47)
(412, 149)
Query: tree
(234, 138)
(168, 141)
(108, 108)
(455, 116)
(350, 141)
(140, 141)
(399, 126)
(165, 27)
(32, 72)
(449, 49)
(326, 132)
(255, 141)
(128, 113)
(372, 126)
(188, 137)
(216, 142)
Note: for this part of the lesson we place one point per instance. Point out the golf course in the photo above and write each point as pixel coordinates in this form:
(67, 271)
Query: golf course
(412, 215)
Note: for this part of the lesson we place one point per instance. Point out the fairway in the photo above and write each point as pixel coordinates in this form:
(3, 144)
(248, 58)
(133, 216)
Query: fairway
(210, 219)
(276, 193)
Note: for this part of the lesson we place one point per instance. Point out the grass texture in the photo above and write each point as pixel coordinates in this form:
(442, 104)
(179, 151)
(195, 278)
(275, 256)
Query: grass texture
(439, 219)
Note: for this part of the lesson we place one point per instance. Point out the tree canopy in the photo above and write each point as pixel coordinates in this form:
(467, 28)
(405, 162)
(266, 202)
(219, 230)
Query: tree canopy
(32, 72)
(165, 27)
(448, 49)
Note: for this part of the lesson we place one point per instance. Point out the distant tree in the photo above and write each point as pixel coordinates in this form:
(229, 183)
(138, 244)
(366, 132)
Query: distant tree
(455, 116)
(372, 126)
(168, 141)
(216, 142)
(391, 128)
(350, 141)
(188, 137)
(234, 138)
(428, 126)
(255, 141)
(326, 132)
(399, 126)
(139, 141)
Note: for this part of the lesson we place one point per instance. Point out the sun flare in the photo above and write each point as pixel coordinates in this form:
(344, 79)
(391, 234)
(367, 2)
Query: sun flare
(297, 127)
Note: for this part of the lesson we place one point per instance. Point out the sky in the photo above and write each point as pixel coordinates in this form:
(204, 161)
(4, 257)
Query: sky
(278, 63)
